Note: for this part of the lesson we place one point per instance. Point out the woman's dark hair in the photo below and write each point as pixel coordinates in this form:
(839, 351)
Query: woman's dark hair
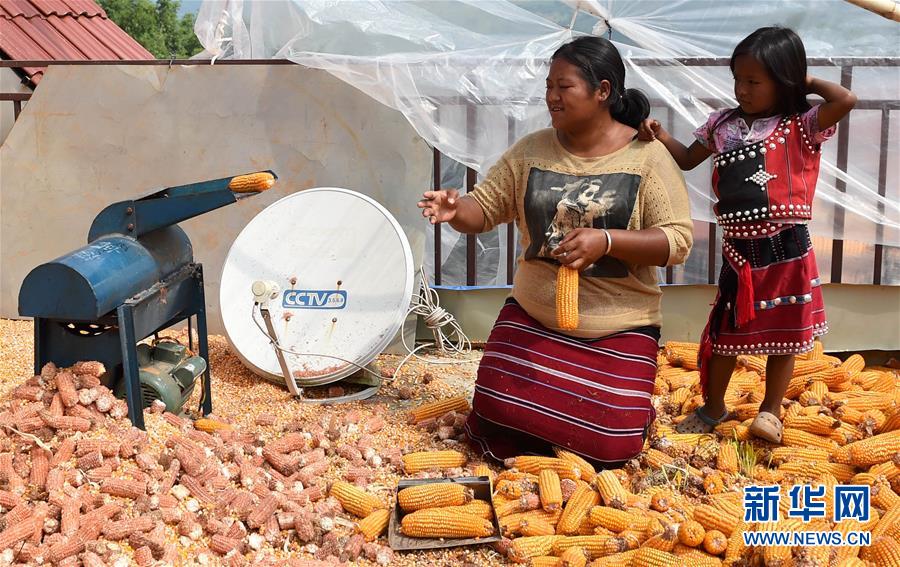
(598, 59)
(781, 52)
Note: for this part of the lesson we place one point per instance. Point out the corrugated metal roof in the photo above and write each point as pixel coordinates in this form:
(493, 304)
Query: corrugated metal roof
(63, 30)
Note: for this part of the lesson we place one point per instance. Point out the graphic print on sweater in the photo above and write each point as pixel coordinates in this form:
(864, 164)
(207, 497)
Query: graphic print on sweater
(556, 203)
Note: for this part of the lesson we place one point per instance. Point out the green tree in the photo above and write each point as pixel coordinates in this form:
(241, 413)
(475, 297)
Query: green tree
(156, 26)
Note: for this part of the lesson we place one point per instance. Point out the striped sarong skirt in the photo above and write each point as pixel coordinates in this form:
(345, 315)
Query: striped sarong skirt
(537, 388)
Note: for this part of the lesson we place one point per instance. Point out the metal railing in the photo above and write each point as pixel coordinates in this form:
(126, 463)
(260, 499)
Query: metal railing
(846, 65)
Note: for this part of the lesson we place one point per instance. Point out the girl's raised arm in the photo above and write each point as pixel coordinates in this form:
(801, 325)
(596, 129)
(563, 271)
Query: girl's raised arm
(838, 101)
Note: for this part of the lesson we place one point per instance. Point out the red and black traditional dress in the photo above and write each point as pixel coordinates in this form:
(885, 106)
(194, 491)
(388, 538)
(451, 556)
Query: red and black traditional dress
(769, 299)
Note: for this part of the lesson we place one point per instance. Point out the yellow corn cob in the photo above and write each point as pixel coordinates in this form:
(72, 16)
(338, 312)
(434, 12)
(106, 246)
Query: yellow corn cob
(374, 524)
(854, 364)
(815, 354)
(478, 508)
(433, 495)
(807, 454)
(691, 533)
(891, 422)
(622, 559)
(545, 561)
(611, 490)
(818, 424)
(803, 367)
(512, 524)
(524, 548)
(847, 551)
(252, 182)
(888, 523)
(755, 363)
(714, 483)
(484, 470)
(587, 469)
(595, 545)
(211, 425)
(354, 499)
(683, 355)
(656, 459)
(550, 491)
(874, 450)
(534, 465)
(713, 518)
(852, 562)
(884, 496)
(727, 459)
(863, 401)
(808, 469)
(425, 460)
(884, 552)
(617, 520)
(574, 557)
(528, 501)
(438, 408)
(536, 527)
(650, 557)
(567, 298)
(796, 438)
(577, 508)
(440, 523)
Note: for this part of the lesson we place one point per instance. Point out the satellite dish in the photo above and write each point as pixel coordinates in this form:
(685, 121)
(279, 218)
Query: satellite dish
(343, 280)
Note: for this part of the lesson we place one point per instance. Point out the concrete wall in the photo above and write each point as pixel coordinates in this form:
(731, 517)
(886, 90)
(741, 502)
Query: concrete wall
(860, 317)
(10, 82)
(95, 135)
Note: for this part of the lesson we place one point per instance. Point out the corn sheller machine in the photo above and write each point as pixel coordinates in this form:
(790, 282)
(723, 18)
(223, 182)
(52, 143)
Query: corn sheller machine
(134, 278)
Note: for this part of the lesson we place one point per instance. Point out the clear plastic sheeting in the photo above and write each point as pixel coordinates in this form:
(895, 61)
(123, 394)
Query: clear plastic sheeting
(469, 77)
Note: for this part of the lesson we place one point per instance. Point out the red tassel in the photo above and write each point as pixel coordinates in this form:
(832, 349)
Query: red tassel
(744, 309)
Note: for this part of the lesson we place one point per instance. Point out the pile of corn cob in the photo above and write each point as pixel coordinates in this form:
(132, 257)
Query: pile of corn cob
(681, 502)
(444, 510)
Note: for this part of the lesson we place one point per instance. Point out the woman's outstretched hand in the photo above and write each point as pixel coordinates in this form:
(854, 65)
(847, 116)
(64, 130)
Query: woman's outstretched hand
(439, 206)
(581, 247)
(649, 130)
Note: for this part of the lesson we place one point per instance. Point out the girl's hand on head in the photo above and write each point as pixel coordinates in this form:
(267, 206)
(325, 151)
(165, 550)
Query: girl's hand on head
(580, 248)
(648, 130)
(439, 206)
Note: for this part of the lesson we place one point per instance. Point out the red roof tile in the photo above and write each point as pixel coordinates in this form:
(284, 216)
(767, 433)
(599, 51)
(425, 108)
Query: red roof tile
(62, 30)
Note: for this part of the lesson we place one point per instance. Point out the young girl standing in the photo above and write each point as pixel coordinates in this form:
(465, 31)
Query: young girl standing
(766, 155)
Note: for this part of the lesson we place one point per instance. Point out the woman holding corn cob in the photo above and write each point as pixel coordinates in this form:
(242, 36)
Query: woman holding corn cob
(766, 155)
(571, 360)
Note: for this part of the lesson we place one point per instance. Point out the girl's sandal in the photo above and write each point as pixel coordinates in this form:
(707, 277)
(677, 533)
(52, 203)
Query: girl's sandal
(698, 422)
(767, 426)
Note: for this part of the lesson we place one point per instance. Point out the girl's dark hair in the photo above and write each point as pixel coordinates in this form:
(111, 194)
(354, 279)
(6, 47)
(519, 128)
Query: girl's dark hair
(598, 59)
(781, 52)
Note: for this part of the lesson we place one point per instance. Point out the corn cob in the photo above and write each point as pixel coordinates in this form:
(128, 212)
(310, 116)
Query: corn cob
(528, 501)
(484, 470)
(650, 557)
(818, 425)
(595, 545)
(715, 542)
(854, 364)
(621, 559)
(567, 298)
(534, 465)
(374, 524)
(577, 508)
(656, 459)
(550, 490)
(888, 524)
(573, 557)
(796, 438)
(512, 524)
(440, 523)
(727, 460)
(876, 449)
(713, 518)
(682, 356)
(852, 562)
(252, 182)
(807, 454)
(587, 469)
(536, 527)
(425, 460)
(524, 548)
(545, 561)
(124, 488)
(211, 425)
(691, 533)
(433, 495)
(438, 408)
(884, 497)
(266, 509)
(884, 552)
(478, 508)
(847, 551)
(616, 520)
(357, 501)
(16, 533)
(803, 367)
(611, 490)
(117, 531)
